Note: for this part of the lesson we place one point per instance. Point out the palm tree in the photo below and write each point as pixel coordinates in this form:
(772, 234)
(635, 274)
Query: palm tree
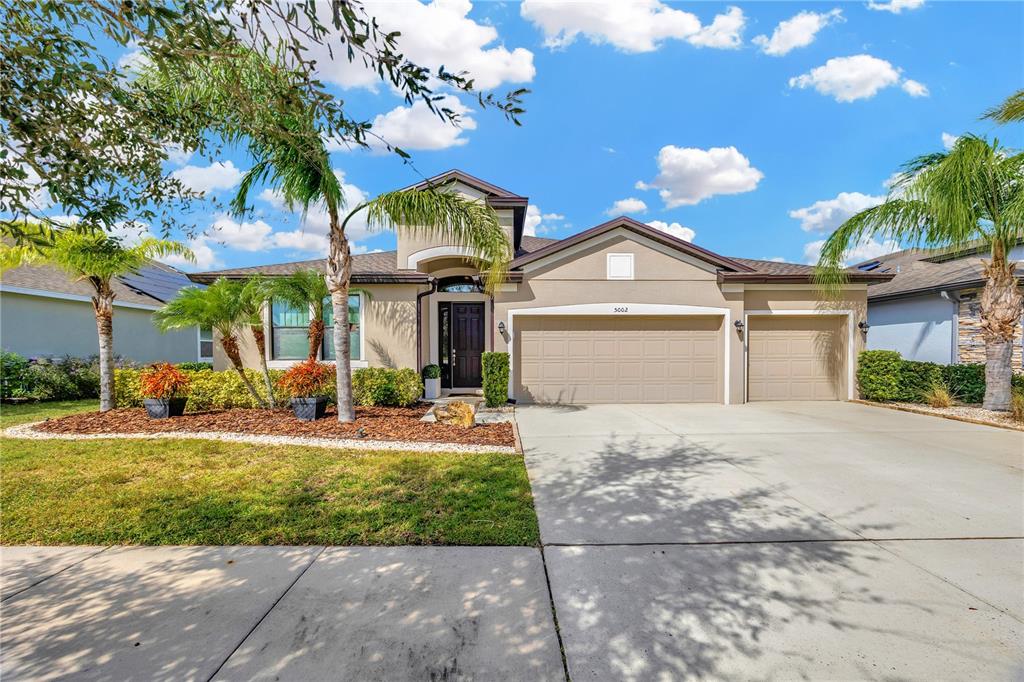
(96, 258)
(1010, 111)
(244, 98)
(305, 290)
(954, 199)
(226, 307)
(254, 295)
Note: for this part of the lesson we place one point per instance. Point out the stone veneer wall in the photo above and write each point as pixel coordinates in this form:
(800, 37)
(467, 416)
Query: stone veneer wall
(970, 341)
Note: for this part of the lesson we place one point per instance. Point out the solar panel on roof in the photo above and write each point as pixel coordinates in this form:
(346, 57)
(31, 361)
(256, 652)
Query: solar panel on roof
(163, 285)
(868, 267)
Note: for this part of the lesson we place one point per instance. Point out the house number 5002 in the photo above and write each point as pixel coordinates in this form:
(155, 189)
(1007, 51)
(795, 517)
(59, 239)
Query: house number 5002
(620, 310)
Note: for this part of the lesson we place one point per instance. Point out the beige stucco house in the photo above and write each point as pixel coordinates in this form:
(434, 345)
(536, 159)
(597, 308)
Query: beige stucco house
(621, 312)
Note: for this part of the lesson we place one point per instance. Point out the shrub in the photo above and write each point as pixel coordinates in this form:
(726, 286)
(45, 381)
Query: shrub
(938, 396)
(432, 372)
(309, 379)
(1017, 405)
(163, 381)
(495, 371)
(386, 387)
(208, 390)
(965, 382)
(13, 369)
(878, 375)
(917, 380)
(194, 366)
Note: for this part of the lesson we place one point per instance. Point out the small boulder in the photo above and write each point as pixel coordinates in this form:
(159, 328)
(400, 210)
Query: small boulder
(456, 412)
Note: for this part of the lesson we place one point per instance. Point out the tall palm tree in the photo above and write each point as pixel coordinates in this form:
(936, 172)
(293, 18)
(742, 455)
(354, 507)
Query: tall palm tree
(95, 258)
(246, 99)
(225, 307)
(254, 295)
(954, 199)
(1010, 111)
(305, 290)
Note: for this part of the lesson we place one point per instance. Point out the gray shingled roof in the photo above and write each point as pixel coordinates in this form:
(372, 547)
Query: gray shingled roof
(152, 285)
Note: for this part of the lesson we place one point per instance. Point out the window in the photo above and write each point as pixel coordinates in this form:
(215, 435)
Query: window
(620, 266)
(289, 338)
(355, 312)
(459, 285)
(205, 343)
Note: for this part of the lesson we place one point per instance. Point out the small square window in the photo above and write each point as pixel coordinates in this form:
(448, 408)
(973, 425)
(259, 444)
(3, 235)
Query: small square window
(205, 343)
(620, 266)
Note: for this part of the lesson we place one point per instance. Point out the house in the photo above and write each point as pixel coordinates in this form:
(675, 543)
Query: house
(621, 312)
(929, 310)
(46, 313)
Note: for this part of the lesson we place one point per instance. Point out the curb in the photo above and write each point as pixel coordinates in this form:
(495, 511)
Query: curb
(952, 417)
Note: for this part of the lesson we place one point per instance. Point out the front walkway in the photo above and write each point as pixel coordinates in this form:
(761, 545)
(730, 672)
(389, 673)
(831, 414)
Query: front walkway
(294, 613)
(795, 540)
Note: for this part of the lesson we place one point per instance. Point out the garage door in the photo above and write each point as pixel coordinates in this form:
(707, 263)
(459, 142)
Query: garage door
(577, 359)
(796, 358)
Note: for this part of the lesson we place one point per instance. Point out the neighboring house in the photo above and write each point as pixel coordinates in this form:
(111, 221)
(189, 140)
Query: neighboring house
(621, 312)
(45, 313)
(930, 310)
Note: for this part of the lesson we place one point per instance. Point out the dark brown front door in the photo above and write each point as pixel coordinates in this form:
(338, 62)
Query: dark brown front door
(467, 344)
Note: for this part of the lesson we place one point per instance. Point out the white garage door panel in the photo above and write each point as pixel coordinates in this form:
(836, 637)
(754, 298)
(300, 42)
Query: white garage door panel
(795, 358)
(579, 359)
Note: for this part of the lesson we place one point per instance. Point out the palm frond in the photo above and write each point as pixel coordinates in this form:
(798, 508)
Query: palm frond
(302, 289)
(1010, 111)
(220, 306)
(449, 216)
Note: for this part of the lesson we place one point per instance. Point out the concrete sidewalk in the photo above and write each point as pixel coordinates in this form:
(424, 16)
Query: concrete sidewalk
(298, 613)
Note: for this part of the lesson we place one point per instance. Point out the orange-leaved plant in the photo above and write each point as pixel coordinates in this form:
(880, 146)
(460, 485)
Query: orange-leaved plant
(163, 381)
(309, 379)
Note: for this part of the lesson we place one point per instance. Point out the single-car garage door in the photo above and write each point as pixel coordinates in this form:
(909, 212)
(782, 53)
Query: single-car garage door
(796, 358)
(629, 359)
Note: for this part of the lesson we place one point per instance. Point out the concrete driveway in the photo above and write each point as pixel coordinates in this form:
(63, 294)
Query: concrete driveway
(809, 540)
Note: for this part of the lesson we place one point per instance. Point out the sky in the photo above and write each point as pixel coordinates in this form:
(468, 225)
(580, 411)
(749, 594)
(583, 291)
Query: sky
(752, 129)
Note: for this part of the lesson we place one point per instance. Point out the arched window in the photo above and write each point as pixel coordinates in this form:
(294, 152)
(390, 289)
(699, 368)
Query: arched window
(461, 284)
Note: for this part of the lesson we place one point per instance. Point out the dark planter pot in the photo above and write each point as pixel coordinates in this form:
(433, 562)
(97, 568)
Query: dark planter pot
(309, 409)
(158, 408)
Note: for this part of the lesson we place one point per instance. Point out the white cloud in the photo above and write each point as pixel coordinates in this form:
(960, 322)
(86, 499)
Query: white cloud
(725, 32)
(798, 31)
(416, 127)
(865, 249)
(674, 229)
(317, 220)
(205, 257)
(624, 206)
(915, 89)
(301, 240)
(537, 222)
(218, 175)
(948, 140)
(244, 236)
(435, 34)
(828, 214)
(857, 77)
(895, 6)
(176, 154)
(687, 175)
(634, 26)
(776, 259)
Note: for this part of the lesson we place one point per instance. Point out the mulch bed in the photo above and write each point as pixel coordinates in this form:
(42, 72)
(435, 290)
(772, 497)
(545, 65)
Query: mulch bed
(372, 423)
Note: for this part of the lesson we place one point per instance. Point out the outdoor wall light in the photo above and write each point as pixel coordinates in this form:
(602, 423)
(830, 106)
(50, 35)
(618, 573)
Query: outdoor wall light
(501, 327)
(739, 325)
(863, 326)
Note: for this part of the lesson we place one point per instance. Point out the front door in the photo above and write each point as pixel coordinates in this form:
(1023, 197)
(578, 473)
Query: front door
(467, 344)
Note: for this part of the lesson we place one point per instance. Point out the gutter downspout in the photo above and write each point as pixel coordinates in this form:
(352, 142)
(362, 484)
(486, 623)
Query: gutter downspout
(419, 322)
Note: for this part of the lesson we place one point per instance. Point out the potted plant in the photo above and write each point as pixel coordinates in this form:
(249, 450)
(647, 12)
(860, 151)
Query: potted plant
(432, 382)
(164, 390)
(308, 384)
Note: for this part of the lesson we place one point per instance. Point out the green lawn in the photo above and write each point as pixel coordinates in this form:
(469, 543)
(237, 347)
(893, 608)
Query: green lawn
(208, 492)
(11, 415)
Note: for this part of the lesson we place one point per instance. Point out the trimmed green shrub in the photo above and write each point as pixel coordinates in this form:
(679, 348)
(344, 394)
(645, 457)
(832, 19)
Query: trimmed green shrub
(878, 374)
(917, 379)
(44, 379)
(208, 390)
(381, 386)
(194, 366)
(432, 372)
(495, 371)
(965, 382)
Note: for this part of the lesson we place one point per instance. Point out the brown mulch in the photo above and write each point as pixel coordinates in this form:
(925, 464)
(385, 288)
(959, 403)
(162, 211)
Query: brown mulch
(372, 423)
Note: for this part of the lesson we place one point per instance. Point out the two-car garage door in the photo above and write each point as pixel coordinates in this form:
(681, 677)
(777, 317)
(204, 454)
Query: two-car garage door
(634, 359)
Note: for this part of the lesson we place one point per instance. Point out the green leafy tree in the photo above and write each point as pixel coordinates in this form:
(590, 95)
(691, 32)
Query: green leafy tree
(249, 100)
(76, 130)
(95, 258)
(305, 290)
(1010, 111)
(972, 193)
(226, 306)
(255, 293)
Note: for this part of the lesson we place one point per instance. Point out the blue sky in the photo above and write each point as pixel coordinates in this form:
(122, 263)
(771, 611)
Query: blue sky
(758, 145)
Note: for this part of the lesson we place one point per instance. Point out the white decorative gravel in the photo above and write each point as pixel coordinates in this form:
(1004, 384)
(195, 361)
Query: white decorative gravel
(29, 431)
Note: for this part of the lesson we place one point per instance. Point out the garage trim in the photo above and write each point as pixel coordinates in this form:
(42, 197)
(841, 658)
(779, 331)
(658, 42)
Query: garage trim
(625, 310)
(850, 342)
